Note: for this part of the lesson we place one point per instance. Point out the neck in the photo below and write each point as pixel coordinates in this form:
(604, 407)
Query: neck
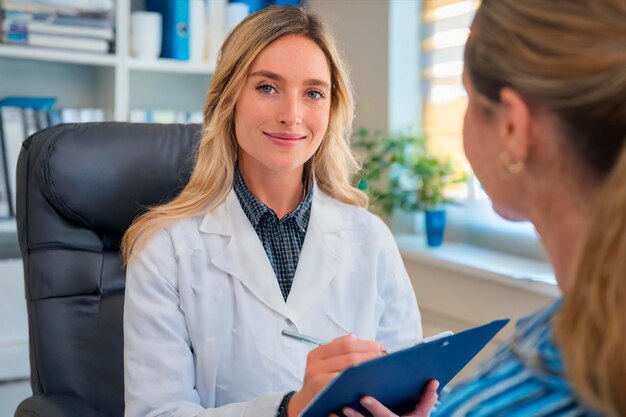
(280, 191)
(561, 222)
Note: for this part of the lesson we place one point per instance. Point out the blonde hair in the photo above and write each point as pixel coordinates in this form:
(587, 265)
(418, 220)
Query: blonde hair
(591, 326)
(569, 57)
(211, 180)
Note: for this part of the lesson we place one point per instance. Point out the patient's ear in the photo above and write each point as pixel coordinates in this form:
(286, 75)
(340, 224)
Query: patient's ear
(514, 125)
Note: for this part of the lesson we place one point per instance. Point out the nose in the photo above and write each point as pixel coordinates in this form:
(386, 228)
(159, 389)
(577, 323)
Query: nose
(290, 111)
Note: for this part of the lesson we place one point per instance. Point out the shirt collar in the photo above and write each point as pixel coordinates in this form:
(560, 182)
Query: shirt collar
(255, 209)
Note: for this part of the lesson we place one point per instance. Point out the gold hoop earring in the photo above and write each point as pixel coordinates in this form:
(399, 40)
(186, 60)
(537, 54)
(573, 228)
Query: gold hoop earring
(511, 167)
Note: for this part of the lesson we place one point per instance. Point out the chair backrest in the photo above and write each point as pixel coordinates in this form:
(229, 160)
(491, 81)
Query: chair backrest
(79, 188)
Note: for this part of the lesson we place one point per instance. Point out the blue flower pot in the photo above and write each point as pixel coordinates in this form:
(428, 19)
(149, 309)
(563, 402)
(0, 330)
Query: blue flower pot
(435, 226)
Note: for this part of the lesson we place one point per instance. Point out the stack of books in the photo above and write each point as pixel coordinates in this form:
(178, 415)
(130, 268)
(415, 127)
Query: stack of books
(20, 117)
(79, 25)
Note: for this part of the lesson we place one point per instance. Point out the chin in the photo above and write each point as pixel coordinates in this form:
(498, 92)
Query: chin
(508, 214)
(284, 166)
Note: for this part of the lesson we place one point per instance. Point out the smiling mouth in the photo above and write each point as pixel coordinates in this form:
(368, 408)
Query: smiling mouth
(285, 136)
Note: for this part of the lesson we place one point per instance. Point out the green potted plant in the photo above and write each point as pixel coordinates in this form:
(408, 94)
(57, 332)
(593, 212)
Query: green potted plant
(399, 173)
(435, 175)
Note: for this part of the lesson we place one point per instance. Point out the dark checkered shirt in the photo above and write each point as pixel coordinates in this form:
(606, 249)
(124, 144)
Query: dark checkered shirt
(281, 238)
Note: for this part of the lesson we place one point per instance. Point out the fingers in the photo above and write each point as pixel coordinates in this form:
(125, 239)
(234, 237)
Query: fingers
(346, 344)
(341, 362)
(375, 407)
(324, 362)
(428, 400)
(342, 353)
(348, 412)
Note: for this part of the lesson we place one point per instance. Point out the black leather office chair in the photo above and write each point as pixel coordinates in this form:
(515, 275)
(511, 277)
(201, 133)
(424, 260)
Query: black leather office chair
(79, 188)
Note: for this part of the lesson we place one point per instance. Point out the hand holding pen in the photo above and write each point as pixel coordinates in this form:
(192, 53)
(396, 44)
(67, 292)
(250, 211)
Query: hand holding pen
(326, 361)
(429, 394)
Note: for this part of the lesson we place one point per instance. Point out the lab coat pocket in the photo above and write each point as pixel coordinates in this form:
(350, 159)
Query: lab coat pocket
(360, 319)
(339, 327)
(207, 358)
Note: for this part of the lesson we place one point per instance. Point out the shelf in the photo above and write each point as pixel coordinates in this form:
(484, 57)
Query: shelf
(57, 55)
(171, 66)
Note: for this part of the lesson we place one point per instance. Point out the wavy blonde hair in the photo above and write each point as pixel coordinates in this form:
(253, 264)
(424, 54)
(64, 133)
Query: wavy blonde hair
(569, 56)
(333, 163)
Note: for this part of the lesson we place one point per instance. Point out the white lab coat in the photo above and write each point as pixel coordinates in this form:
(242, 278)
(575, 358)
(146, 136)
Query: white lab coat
(203, 310)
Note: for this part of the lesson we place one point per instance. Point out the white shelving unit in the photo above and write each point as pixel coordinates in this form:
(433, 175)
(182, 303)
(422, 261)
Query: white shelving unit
(115, 82)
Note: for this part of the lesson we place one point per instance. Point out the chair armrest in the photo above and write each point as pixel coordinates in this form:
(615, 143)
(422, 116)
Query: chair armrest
(54, 406)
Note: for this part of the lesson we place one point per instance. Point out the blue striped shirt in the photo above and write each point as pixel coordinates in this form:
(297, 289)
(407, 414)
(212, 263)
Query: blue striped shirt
(525, 378)
(283, 238)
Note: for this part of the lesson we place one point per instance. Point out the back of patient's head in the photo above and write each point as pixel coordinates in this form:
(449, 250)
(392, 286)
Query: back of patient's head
(569, 57)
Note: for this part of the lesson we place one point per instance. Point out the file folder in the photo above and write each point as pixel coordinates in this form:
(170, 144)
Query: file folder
(397, 379)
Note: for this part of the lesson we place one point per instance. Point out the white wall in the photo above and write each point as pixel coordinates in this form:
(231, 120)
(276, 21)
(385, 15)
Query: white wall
(361, 28)
(13, 322)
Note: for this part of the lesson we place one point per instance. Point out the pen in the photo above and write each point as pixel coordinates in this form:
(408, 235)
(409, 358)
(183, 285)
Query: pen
(315, 341)
(302, 337)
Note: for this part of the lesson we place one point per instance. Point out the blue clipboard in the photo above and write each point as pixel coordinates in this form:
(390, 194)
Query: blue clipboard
(397, 379)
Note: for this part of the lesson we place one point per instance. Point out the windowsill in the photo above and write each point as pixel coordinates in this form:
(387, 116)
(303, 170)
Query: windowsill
(477, 262)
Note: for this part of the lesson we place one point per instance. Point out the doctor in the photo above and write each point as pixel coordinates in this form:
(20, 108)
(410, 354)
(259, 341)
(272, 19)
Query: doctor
(267, 235)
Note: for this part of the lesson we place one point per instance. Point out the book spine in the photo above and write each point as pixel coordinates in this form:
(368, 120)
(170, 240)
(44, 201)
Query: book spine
(13, 136)
(68, 42)
(22, 27)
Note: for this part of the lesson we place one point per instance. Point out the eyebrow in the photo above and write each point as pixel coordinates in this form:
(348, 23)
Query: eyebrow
(276, 77)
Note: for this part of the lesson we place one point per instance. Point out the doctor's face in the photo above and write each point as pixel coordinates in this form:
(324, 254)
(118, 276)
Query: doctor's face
(282, 112)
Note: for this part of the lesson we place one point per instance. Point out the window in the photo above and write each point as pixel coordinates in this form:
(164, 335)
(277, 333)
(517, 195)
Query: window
(444, 28)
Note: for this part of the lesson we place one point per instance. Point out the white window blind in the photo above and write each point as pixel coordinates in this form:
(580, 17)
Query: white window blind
(443, 32)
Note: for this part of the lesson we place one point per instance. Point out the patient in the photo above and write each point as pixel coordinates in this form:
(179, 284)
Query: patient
(544, 129)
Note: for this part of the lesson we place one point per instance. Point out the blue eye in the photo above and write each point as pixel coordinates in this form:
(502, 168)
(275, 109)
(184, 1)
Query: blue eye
(314, 94)
(266, 89)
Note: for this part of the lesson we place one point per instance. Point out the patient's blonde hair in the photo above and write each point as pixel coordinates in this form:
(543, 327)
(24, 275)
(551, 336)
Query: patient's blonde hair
(211, 180)
(569, 56)
(591, 326)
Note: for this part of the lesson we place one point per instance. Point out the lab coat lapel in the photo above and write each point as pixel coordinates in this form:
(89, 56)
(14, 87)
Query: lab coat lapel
(244, 257)
(319, 259)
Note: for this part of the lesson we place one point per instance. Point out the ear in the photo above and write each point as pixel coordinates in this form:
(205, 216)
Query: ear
(514, 125)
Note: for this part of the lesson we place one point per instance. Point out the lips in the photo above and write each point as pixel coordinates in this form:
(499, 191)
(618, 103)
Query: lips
(285, 136)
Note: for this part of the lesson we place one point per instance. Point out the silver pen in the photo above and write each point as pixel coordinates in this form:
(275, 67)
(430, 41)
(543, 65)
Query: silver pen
(302, 337)
(315, 341)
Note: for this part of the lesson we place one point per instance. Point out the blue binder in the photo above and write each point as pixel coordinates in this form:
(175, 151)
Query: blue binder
(175, 15)
(397, 379)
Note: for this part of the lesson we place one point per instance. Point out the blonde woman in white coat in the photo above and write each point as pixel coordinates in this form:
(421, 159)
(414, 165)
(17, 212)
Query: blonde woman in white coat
(267, 235)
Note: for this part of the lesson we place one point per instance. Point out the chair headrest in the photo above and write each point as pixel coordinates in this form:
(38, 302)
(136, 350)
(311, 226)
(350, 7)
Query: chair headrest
(102, 175)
